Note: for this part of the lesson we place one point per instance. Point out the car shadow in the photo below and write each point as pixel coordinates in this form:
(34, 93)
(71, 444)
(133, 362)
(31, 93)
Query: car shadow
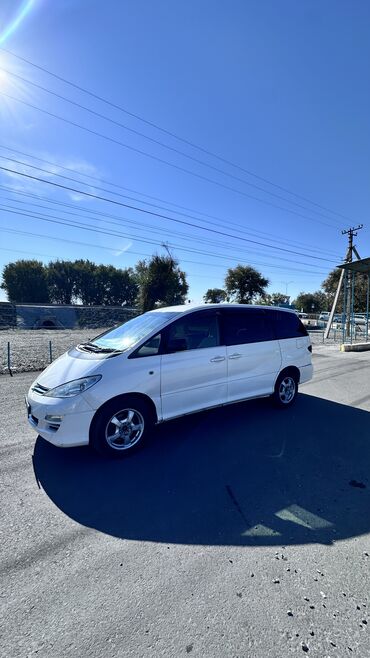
(246, 474)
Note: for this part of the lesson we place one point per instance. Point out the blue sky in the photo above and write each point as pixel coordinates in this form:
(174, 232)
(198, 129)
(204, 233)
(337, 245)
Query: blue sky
(280, 89)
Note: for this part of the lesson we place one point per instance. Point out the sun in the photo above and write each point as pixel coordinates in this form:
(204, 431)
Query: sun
(9, 81)
(4, 79)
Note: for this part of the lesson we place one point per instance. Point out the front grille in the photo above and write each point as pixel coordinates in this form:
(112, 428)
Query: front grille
(35, 420)
(41, 390)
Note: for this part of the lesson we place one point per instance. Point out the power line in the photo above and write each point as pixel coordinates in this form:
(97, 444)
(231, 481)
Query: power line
(120, 220)
(170, 133)
(32, 234)
(72, 223)
(159, 143)
(87, 244)
(54, 220)
(123, 221)
(254, 233)
(95, 212)
(31, 253)
(45, 171)
(162, 161)
(149, 212)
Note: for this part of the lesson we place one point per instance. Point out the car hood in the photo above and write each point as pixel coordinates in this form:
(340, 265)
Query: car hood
(67, 368)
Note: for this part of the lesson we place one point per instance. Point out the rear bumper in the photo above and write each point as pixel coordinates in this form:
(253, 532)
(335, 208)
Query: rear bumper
(306, 373)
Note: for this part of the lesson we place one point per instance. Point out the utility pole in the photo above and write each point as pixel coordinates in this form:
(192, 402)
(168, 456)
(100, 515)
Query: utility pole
(351, 232)
(287, 283)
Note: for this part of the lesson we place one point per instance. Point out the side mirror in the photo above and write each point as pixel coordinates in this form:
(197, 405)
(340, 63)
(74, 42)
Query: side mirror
(177, 345)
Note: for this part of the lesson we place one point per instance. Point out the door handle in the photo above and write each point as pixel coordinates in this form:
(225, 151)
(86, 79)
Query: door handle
(236, 355)
(217, 359)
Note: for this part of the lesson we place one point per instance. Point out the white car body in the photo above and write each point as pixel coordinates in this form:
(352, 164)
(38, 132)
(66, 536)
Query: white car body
(175, 383)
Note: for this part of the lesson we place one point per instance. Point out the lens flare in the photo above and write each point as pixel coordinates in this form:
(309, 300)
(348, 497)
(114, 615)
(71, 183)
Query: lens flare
(24, 9)
(3, 79)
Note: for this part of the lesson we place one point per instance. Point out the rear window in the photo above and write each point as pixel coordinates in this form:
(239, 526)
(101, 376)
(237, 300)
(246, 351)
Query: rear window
(249, 326)
(288, 325)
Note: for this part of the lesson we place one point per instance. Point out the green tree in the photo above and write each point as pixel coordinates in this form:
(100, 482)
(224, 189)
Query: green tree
(278, 298)
(83, 280)
(25, 281)
(330, 286)
(115, 287)
(311, 302)
(243, 284)
(275, 299)
(61, 280)
(104, 285)
(85, 283)
(215, 296)
(161, 282)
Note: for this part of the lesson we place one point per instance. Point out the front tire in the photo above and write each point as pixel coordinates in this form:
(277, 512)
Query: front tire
(286, 389)
(121, 427)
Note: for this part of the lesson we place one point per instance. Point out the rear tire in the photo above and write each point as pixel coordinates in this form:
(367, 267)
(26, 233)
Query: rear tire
(286, 389)
(121, 427)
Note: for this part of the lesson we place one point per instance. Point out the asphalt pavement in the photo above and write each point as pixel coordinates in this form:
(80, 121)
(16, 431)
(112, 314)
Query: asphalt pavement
(243, 532)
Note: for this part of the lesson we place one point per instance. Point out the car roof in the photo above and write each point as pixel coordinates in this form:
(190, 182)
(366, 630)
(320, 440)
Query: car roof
(187, 308)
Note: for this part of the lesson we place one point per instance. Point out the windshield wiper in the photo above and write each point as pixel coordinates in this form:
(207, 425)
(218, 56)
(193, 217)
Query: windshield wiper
(90, 347)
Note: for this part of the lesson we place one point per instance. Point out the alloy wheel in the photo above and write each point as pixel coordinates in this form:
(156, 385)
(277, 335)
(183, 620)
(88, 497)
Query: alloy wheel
(124, 429)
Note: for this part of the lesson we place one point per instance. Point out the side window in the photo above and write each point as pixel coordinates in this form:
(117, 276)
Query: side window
(288, 325)
(249, 326)
(193, 332)
(150, 348)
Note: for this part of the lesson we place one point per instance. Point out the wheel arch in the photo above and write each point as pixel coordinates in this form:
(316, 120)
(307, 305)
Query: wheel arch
(139, 396)
(289, 370)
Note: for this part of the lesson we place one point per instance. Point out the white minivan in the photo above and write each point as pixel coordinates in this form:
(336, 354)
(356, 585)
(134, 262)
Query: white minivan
(164, 364)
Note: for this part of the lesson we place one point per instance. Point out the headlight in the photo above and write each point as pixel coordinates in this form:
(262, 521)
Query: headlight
(70, 389)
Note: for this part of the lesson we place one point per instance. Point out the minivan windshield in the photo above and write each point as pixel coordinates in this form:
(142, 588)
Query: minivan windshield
(128, 334)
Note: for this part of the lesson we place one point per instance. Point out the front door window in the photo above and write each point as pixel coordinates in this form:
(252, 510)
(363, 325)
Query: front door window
(193, 332)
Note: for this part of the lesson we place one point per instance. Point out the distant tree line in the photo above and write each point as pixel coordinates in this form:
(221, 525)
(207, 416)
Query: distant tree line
(156, 281)
(245, 285)
(68, 282)
(322, 300)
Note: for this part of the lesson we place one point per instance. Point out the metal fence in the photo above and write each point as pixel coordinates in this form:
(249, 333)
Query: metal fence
(25, 351)
(29, 351)
(336, 335)
(20, 358)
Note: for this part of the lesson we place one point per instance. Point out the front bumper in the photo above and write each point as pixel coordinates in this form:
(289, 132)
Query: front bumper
(75, 419)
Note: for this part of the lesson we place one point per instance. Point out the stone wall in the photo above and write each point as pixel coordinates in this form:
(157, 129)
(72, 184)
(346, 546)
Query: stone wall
(91, 317)
(53, 316)
(8, 316)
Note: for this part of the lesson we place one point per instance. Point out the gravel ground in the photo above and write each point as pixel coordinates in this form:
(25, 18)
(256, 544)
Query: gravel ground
(30, 349)
(239, 533)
